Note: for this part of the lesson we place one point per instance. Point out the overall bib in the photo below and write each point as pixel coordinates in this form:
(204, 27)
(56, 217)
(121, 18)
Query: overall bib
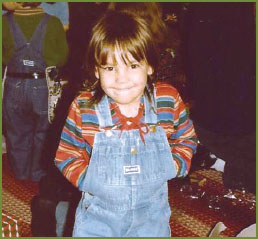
(125, 192)
(25, 102)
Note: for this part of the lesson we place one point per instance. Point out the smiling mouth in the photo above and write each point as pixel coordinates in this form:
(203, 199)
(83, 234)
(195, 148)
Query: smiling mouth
(123, 89)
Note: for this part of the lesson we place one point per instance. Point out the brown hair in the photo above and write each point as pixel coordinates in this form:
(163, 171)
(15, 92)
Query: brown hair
(123, 31)
(150, 11)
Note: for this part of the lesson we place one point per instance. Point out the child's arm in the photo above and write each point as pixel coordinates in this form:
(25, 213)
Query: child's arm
(183, 140)
(174, 119)
(72, 157)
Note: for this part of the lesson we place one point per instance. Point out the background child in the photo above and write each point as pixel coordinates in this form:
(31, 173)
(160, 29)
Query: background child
(32, 40)
(122, 142)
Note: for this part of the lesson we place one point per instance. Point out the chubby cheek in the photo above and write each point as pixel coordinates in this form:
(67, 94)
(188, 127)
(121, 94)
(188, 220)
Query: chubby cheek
(108, 91)
(104, 81)
(106, 87)
(103, 85)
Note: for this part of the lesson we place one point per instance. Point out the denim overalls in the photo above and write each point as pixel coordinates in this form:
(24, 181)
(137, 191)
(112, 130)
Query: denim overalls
(125, 191)
(25, 103)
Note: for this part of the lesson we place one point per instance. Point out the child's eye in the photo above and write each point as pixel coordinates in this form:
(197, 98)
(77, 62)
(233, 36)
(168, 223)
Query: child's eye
(108, 68)
(134, 66)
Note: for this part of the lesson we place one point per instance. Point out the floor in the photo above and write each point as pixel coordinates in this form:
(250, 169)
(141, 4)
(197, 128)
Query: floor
(197, 204)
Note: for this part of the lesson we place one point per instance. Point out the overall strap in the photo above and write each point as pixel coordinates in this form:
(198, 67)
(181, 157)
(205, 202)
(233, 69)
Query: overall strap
(28, 55)
(103, 113)
(19, 38)
(16, 32)
(151, 116)
(39, 33)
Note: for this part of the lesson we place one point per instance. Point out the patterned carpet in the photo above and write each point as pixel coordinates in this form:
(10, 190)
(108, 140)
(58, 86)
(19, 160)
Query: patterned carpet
(16, 197)
(197, 205)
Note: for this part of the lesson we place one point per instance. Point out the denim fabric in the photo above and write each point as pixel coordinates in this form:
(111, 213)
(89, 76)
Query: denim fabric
(25, 118)
(125, 189)
(27, 51)
(25, 104)
(61, 217)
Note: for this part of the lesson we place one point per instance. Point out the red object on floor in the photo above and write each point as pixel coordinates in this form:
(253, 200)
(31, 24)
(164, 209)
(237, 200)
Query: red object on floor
(16, 198)
(10, 226)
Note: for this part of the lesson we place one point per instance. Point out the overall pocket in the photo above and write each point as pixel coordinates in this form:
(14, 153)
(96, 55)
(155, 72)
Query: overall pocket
(14, 94)
(40, 97)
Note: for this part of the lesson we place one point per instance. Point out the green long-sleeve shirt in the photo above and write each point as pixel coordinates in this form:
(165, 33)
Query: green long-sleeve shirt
(55, 47)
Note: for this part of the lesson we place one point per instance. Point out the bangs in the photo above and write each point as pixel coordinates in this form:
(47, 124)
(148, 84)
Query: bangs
(125, 49)
(134, 40)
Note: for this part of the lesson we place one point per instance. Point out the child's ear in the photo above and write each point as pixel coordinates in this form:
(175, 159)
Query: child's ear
(150, 70)
(97, 72)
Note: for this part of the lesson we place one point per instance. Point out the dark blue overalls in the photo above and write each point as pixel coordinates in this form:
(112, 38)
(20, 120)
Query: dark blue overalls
(125, 192)
(25, 102)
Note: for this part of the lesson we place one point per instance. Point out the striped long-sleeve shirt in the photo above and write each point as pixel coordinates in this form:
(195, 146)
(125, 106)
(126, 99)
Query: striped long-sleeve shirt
(75, 147)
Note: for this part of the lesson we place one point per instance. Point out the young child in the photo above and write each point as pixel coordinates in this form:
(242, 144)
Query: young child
(122, 142)
(32, 41)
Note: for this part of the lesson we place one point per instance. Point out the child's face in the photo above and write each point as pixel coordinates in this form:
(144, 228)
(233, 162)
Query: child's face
(124, 83)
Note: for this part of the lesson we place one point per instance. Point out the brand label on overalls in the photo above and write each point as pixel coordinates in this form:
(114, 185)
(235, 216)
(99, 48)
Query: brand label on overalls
(28, 63)
(133, 169)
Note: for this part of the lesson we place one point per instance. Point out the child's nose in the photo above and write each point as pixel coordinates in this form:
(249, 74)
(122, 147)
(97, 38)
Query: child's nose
(122, 76)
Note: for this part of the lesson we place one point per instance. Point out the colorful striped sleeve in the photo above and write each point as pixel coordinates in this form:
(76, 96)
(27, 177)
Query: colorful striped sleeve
(73, 153)
(175, 120)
